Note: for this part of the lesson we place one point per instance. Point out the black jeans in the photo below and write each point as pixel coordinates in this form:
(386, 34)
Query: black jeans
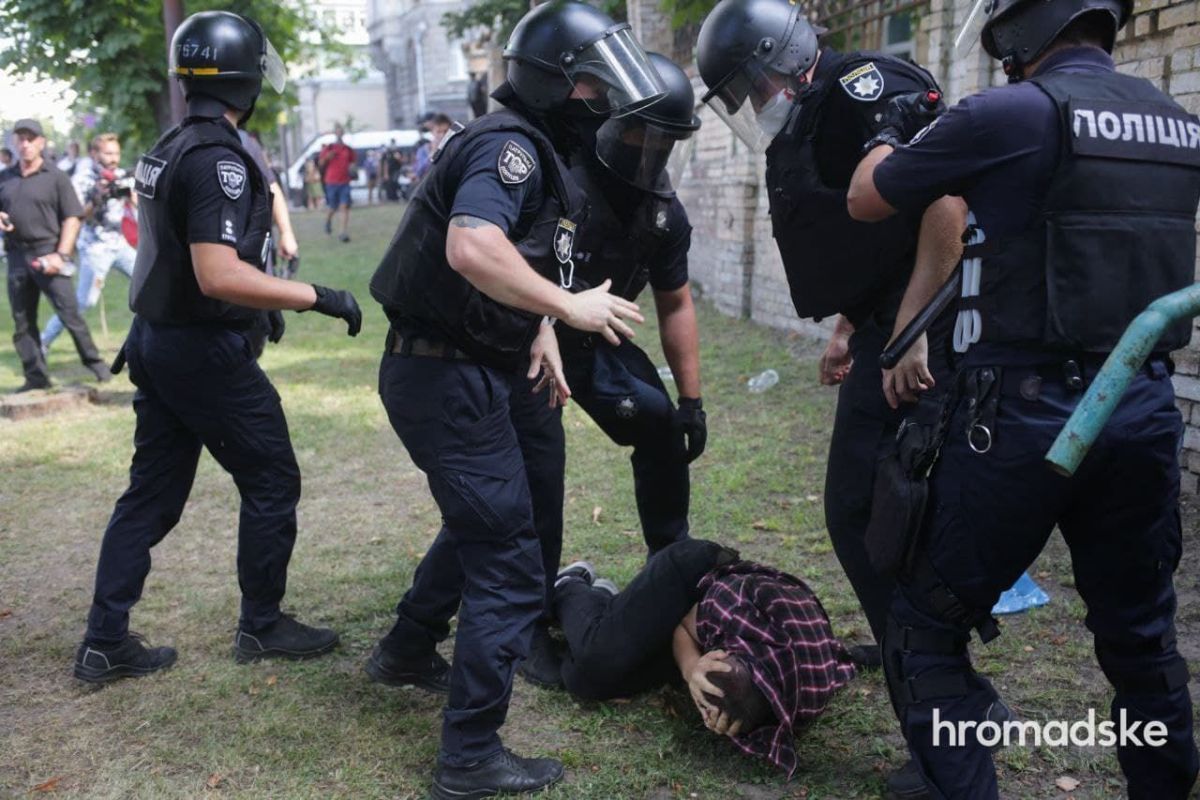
(619, 646)
(199, 386)
(25, 284)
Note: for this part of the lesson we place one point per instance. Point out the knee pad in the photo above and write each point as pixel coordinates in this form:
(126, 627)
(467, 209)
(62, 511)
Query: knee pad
(950, 673)
(1140, 670)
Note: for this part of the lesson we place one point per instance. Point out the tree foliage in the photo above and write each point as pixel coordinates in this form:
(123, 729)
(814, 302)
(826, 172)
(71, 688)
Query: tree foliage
(114, 54)
(687, 12)
(493, 20)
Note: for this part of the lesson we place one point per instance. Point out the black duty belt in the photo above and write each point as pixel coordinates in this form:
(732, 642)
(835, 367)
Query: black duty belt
(428, 348)
(1075, 374)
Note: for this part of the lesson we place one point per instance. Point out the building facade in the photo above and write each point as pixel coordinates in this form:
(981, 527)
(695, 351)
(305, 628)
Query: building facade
(425, 69)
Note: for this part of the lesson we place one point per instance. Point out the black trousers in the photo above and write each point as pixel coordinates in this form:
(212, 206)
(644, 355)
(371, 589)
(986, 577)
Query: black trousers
(620, 646)
(485, 564)
(989, 515)
(863, 424)
(25, 285)
(199, 386)
(621, 391)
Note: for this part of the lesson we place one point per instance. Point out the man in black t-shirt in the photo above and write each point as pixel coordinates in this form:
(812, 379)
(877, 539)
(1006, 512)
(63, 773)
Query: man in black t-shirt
(40, 218)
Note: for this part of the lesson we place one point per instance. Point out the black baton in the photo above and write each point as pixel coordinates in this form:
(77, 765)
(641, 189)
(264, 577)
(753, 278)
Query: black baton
(895, 350)
(118, 363)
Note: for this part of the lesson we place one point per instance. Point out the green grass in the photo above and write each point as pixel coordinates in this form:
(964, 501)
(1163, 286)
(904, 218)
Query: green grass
(320, 729)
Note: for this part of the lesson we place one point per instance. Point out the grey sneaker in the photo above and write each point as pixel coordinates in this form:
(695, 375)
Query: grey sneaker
(576, 571)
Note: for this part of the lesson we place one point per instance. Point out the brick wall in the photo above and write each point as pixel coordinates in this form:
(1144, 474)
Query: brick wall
(734, 261)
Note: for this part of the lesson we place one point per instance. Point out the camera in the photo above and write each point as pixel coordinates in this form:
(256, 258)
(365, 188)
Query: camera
(119, 185)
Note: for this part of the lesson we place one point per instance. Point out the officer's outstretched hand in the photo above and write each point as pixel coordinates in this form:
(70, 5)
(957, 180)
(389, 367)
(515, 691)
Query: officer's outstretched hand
(904, 382)
(690, 425)
(545, 359)
(338, 303)
(597, 311)
(905, 116)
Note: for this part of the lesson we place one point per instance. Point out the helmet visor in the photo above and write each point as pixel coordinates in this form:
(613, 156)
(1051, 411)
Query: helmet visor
(634, 150)
(750, 81)
(681, 158)
(613, 76)
(743, 123)
(274, 70)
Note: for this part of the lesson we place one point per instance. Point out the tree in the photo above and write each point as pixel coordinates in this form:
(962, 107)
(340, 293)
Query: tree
(114, 54)
(496, 18)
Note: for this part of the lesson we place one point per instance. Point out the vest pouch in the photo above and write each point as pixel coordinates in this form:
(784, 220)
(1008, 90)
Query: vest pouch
(503, 330)
(1103, 269)
(901, 487)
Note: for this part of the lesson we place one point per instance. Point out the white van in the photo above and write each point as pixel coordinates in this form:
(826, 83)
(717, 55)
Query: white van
(361, 142)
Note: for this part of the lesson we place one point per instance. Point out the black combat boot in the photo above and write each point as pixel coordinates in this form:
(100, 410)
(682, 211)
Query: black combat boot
(286, 638)
(429, 672)
(504, 773)
(543, 667)
(129, 659)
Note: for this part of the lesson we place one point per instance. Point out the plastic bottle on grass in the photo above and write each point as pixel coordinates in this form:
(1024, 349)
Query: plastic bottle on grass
(762, 381)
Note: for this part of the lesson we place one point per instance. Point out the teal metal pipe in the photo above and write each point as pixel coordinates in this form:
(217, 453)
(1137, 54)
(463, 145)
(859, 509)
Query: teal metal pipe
(1102, 397)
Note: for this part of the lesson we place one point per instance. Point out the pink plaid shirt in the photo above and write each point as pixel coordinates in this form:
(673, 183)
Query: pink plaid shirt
(775, 623)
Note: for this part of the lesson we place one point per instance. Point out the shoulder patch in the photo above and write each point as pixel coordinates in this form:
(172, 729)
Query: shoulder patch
(146, 174)
(864, 83)
(232, 177)
(515, 164)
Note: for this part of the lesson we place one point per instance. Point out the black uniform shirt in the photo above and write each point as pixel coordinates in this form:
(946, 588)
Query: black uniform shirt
(206, 202)
(669, 269)
(849, 114)
(496, 177)
(36, 205)
(668, 265)
(997, 149)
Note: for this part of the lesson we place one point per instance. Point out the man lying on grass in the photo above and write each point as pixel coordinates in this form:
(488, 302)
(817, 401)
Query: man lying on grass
(753, 644)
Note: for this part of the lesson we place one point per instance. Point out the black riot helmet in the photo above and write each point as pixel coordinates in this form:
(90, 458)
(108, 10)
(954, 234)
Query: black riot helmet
(564, 47)
(752, 49)
(638, 147)
(1018, 31)
(224, 56)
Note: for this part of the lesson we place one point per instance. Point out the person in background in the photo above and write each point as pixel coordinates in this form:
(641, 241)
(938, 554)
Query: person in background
(336, 160)
(67, 163)
(313, 192)
(40, 218)
(371, 163)
(108, 200)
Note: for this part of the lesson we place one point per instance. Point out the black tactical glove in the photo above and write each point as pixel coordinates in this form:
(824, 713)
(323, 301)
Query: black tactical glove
(905, 116)
(275, 326)
(690, 425)
(338, 303)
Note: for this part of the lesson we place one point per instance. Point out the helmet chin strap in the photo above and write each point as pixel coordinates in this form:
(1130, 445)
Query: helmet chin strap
(242, 120)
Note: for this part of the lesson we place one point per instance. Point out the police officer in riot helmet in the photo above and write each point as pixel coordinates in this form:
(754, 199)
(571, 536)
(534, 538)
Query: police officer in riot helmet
(1083, 185)
(812, 109)
(472, 285)
(637, 232)
(198, 286)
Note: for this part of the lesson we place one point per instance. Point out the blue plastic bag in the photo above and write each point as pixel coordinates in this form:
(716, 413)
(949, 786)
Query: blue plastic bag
(1024, 594)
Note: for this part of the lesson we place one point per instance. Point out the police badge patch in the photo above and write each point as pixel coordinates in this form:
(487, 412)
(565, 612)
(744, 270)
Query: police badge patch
(863, 83)
(232, 177)
(515, 165)
(564, 240)
(627, 408)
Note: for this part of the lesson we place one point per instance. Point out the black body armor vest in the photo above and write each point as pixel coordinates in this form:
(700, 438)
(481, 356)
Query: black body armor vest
(833, 263)
(1116, 229)
(164, 287)
(421, 293)
(607, 247)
